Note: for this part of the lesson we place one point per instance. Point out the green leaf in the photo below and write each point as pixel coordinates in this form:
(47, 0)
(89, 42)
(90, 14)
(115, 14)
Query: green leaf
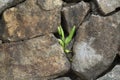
(67, 51)
(69, 38)
(61, 43)
(59, 30)
(62, 33)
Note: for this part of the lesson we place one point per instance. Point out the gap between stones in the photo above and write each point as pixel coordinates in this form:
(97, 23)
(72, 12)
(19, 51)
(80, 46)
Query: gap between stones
(114, 63)
(11, 7)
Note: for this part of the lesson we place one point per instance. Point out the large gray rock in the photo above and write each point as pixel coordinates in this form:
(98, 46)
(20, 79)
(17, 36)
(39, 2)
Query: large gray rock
(108, 6)
(112, 75)
(63, 78)
(74, 14)
(28, 20)
(40, 58)
(4, 4)
(96, 45)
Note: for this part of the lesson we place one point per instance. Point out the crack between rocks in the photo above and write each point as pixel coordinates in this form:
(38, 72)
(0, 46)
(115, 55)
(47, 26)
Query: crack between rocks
(11, 7)
(22, 40)
(96, 10)
(114, 63)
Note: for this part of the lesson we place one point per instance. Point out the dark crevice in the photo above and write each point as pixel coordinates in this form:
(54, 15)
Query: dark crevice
(20, 40)
(116, 10)
(72, 1)
(96, 10)
(87, 1)
(63, 24)
(70, 74)
(115, 62)
(12, 5)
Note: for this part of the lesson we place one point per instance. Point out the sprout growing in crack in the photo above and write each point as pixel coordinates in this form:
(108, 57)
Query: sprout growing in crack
(64, 41)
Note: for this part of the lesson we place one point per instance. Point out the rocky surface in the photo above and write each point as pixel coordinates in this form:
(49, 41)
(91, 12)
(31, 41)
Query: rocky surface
(72, 1)
(50, 4)
(96, 45)
(30, 51)
(4, 4)
(107, 6)
(36, 59)
(112, 75)
(28, 20)
(74, 14)
(63, 78)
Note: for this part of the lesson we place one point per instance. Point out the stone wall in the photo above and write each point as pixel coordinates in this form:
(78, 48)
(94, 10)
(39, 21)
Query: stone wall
(29, 47)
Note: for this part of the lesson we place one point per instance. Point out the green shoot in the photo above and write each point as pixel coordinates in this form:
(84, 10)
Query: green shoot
(65, 41)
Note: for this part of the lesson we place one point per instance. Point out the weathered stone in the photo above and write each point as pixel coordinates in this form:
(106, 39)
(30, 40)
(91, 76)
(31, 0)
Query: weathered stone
(0, 41)
(96, 45)
(112, 75)
(63, 78)
(108, 6)
(50, 4)
(73, 1)
(75, 14)
(40, 58)
(28, 20)
(4, 4)
(2, 64)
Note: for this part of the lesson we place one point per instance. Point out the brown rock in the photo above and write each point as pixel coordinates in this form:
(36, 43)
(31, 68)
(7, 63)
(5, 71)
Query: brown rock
(28, 20)
(2, 64)
(96, 46)
(40, 58)
(75, 14)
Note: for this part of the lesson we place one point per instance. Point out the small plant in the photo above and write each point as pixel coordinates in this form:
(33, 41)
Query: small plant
(64, 41)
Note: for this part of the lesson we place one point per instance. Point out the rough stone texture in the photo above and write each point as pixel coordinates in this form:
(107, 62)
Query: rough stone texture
(63, 78)
(28, 20)
(50, 4)
(40, 58)
(108, 6)
(4, 4)
(74, 14)
(2, 64)
(69, 1)
(0, 41)
(96, 45)
(112, 75)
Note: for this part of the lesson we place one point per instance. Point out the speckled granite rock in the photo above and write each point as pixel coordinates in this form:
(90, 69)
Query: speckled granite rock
(96, 46)
(40, 58)
(28, 20)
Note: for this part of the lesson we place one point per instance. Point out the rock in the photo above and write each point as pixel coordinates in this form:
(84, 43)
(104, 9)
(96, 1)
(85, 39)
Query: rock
(4, 4)
(112, 75)
(50, 4)
(96, 46)
(63, 78)
(107, 6)
(0, 42)
(2, 64)
(40, 58)
(72, 1)
(74, 14)
(28, 20)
